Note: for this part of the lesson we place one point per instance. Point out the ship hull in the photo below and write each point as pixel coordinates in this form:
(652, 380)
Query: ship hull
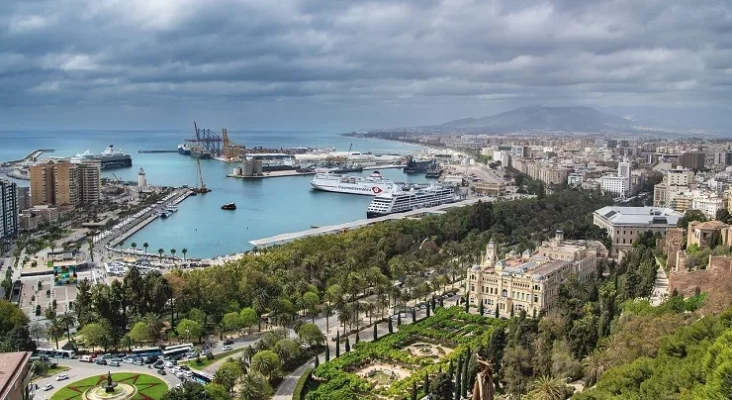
(371, 190)
(184, 152)
(202, 156)
(114, 164)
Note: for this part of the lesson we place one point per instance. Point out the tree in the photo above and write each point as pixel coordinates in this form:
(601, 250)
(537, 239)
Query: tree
(443, 387)
(254, 386)
(37, 331)
(232, 321)
(139, 333)
(227, 374)
(184, 251)
(414, 391)
(309, 302)
(338, 345)
(93, 334)
(391, 327)
(327, 353)
(188, 391)
(67, 320)
(458, 378)
(311, 335)
(249, 318)
(55, 331)
(347, 346)
(287, 350)
(189, 328)
(214, 391)
(172, 253)
(376, 332)
(154, 324)
(145, 246)
(426, 385)
(160, 253)
(134, 246)
(546, 388)
(266, 362)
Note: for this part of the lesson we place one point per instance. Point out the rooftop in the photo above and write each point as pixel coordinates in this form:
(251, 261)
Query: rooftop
(710, 225)
(10, 366)
(639, 215)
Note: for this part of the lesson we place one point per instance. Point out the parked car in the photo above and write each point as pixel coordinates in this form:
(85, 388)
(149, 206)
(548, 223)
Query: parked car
(101, 361)
(114, 363)
(62, 377)
(226, 348)
(48, 387)
(162, 372)
(128, 360)
(169, 364)
(228, 342)
(185, 367)
(159, 364)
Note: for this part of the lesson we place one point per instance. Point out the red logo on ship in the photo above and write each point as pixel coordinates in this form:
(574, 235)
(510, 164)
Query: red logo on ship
(376, 189)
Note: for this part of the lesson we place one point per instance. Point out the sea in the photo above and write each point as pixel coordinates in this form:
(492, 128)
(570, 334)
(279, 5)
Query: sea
(265, 207)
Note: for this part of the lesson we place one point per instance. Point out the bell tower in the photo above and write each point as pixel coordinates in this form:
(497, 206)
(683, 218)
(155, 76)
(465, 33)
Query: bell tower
(490, 254)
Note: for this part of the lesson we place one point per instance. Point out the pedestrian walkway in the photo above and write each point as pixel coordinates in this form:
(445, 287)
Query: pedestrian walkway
(660, 288)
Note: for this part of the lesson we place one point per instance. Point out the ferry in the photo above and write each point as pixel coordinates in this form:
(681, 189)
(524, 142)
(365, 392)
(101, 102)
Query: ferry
(398, 201)
(229, 206)
(184, 149)
(369, 186)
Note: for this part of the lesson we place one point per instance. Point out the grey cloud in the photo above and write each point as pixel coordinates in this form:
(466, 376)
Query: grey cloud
(142, 52)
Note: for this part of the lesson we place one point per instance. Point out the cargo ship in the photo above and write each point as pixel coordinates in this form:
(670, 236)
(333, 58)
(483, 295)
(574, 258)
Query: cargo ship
(398, 201)
(110, 158)
(417, 167)
(368, 186)
(184, 149)
(433, 173)
(198, 151)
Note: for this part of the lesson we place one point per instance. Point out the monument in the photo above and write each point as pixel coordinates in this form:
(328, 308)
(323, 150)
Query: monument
(483, 388)
(110, 385)
(108, 389)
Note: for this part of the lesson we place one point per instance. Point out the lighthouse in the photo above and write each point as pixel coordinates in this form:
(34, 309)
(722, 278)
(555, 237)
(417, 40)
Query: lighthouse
(141, 180)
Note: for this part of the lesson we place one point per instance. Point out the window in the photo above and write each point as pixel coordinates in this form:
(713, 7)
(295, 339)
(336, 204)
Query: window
(536, 299)
(472, 276)
(472, 288)
(504, 293)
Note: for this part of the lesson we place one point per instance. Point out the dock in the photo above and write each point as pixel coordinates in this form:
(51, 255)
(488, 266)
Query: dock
(32, 156)
(272, 174)
(383, 166)
(328, 230)
(156, 151)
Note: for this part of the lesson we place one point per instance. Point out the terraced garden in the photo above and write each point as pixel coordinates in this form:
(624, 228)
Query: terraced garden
(388, 367)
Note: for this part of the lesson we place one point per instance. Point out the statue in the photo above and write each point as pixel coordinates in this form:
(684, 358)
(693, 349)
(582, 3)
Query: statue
(110, 385)
(483, 388)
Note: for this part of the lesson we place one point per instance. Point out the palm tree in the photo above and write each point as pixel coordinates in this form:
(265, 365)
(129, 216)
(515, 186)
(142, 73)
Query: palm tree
(55, 331)
(154, 325)
(546, 388)
(594, 366)
(160, 252)
(172, 252)
(134, 246)
(184, 251)
(127, 341)
(252, 386)
(68, 320)
(90, 242)
(145, 246)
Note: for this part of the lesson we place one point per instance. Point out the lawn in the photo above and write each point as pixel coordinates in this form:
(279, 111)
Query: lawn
(51, 372)
(206, 362)
(148, 386)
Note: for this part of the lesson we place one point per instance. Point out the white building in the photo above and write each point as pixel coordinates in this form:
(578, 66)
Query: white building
(624, 224)
(617, 185)
(503, 157)
(679, 176)
(575, 179)
(141, 179)
(708, 205)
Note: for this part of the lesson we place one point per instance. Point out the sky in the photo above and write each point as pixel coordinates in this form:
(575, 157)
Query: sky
(347, 65)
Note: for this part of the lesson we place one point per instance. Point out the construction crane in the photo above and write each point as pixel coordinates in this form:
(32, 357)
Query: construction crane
(202, 189)
(117, 178)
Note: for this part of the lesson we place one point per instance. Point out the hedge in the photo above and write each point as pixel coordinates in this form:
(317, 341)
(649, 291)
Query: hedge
(298, 394)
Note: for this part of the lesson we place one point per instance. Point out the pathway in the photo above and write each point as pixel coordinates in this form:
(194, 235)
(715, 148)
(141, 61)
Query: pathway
(660, 288)
(287, 387)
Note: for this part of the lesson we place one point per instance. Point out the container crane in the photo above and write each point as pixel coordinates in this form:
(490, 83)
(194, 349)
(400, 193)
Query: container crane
(202, 189)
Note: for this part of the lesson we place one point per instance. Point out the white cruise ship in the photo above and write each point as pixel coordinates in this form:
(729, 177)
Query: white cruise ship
(370, 186)
(398, 201)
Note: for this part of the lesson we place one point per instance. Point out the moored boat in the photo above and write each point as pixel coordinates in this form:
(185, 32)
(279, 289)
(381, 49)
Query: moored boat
(229, 206)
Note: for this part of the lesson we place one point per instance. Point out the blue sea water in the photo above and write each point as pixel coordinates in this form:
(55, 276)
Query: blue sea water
(265, 207)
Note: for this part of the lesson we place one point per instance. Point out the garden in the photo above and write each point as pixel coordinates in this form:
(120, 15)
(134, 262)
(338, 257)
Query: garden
(396, 364)
(148, 387)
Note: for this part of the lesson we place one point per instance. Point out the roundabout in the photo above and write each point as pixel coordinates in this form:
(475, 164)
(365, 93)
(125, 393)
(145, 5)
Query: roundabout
(118, 386)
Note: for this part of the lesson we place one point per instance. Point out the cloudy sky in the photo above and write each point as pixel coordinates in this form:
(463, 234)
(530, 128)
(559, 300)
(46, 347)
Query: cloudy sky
(343, 64)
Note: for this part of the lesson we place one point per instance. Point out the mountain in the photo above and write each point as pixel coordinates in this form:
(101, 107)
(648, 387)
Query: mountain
(571, 119)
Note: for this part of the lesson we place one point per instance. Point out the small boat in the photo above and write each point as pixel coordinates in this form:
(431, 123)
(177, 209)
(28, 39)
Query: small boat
(229, 206)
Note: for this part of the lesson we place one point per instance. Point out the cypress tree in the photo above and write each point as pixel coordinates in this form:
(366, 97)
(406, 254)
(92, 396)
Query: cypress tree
(442, 303)
(426, 383)
(338, 344)
(428, 309)
(391, 327)
(414, 315)
(376, 332)
(464, 380)
(317, 361)
(481, 309)
(458, 378)
(450, 368)
(327, 352)
(358, 339)
(414, 390)
(434, 303)
(498, 314)
(467, 304)
(511, 311)
(348, 345)
(399, 319)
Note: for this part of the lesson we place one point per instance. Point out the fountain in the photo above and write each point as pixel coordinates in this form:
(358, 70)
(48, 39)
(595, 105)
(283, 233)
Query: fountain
(110, 390)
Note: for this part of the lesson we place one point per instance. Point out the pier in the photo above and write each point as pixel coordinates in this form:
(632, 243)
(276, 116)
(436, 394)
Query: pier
(156, 151)
(272, 174)
(30, 157)
(327, 230)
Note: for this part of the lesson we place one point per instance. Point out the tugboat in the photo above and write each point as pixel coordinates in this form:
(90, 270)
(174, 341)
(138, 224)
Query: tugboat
(229, 206)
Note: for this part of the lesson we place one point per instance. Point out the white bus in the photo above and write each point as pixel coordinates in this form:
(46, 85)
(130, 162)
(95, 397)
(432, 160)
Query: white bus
(177, 351)
(55, 353)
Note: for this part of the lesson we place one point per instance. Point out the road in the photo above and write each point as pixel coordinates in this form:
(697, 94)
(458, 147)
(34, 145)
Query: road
(81, 370)
(660, 287)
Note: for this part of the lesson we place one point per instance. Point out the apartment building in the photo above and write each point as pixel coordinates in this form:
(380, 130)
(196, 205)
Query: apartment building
(8, 209)
(624, 224)
(63, 183)
(530, 281)
(90, 183)
(42, 184)
(66, 185)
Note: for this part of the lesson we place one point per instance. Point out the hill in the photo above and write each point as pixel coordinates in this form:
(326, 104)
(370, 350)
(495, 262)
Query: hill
(573, 119)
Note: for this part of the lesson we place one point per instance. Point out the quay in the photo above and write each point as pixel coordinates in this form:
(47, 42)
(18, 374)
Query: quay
(272, 174)
(387, 166)
(156, 151)
(32, 156)
(327, 230)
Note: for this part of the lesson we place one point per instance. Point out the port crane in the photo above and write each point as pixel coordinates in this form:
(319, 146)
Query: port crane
(202, 189)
